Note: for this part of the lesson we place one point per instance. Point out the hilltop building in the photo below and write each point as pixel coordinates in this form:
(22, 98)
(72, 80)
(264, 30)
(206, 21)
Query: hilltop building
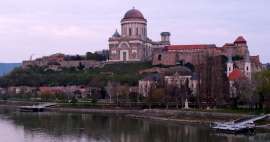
(198, 53)
(133, 43)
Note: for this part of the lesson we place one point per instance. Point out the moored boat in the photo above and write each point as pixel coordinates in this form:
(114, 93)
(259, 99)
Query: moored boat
(31, 109)
(244, 125)
(234, 128)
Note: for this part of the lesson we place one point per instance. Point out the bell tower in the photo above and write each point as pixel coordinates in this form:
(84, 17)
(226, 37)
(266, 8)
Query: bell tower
(165, 37)
(247, 69)
(229, 66)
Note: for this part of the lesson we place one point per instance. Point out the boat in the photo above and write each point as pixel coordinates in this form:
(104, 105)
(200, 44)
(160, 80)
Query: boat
(234, 128)
(31, 109)
(36, 108)
(244, 125)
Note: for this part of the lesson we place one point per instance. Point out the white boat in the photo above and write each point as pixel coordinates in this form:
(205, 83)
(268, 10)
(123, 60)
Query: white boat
(234, 127)
(245, 125)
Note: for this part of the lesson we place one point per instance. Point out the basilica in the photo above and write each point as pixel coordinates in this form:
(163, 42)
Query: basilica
(133, 44)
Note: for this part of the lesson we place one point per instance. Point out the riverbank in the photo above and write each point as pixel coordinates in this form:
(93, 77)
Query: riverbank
(177, 116)
(193, 116)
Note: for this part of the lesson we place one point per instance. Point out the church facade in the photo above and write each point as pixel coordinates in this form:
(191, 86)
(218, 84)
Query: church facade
(133, 44)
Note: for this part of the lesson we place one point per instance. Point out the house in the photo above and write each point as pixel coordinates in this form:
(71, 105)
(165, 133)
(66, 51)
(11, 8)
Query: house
(3, 91)
(149, 82)
(17, 90)
(180, 77)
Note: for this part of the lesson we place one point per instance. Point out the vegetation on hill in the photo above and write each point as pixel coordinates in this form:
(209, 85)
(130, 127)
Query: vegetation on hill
(124, 73)
(88, 56)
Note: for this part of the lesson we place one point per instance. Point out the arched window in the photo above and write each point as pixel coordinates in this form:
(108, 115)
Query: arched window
(159, 57)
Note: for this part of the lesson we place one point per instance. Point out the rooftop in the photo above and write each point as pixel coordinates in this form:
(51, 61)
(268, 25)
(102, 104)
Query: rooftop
(133, 14)
(188, 47)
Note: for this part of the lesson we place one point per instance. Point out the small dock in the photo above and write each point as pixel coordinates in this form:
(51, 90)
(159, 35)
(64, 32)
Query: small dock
(36, 108)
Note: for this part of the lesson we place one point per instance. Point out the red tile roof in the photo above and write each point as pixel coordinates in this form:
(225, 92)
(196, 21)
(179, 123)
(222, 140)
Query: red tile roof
(236, 74)
(240, 39)
(188, 47)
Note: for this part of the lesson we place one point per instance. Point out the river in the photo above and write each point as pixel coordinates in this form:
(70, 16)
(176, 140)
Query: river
(77, 127)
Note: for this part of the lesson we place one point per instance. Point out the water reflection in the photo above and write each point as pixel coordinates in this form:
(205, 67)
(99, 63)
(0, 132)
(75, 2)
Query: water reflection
(75, 127)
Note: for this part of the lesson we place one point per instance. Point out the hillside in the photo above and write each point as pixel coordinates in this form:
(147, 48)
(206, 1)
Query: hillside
(123, 73)
(7, 67)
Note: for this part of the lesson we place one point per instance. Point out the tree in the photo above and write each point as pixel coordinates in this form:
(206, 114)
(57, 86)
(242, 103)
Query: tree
(262, 86)
(108, 89)
(155, 95)
(169, 91)
(103, 93)
(81, 66)
(95, 56)
(242, 91)
(111, 89)
(213, 84)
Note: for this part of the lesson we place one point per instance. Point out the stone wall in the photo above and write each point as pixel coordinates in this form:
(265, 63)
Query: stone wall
(164, 58)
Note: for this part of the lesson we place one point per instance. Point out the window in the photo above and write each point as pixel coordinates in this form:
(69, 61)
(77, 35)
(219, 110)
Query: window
(137, 31)
(125, 31)
(130, 31)
(159, 57)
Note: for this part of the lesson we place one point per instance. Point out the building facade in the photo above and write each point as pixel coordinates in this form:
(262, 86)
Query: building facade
(148, 83)
(178, 80)
(198, 53)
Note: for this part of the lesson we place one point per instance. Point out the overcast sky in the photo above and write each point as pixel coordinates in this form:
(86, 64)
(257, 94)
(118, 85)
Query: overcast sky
(44, 27)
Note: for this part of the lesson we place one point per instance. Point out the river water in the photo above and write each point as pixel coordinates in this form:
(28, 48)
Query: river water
(76, 127)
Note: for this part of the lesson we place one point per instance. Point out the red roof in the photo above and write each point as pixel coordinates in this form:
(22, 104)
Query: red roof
(188, 47)
(240, 39)
(235, 74)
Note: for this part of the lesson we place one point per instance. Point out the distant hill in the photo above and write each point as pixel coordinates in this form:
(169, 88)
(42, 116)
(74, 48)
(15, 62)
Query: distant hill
(7, 67)
(268, 65)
